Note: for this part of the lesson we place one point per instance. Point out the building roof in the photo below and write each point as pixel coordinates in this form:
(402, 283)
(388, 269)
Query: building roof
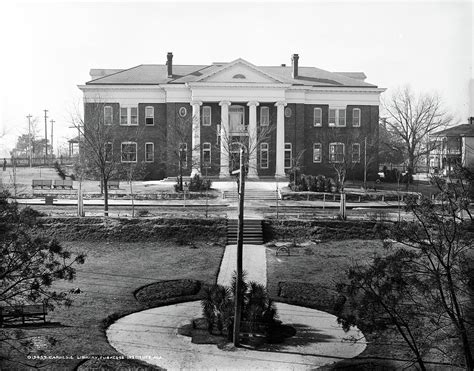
(153, 74)
(464, 130)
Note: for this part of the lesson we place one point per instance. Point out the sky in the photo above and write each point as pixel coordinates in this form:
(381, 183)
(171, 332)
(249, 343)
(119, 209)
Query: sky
(48, 48)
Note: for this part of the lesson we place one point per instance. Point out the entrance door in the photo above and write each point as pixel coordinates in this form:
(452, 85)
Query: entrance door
(234, 152)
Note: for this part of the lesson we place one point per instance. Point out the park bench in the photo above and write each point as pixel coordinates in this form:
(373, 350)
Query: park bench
(42, 183)
(113, 184)
(31, 312)
(63, 184)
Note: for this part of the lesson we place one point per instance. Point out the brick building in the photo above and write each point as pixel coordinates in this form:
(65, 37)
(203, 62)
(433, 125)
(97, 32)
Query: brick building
(189, 116)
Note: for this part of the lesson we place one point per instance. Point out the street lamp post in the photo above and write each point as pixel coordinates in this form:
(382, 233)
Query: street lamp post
(240, 238)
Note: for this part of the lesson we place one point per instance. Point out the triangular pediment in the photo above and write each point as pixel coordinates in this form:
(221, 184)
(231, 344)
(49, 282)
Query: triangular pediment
(239, 71)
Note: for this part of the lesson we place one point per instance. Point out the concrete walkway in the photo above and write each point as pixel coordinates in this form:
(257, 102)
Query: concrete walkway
(254, 263)
(152, 336)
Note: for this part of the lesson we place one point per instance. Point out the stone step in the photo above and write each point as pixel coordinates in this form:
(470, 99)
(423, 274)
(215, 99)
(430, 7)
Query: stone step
(246, 222)
(252, 231)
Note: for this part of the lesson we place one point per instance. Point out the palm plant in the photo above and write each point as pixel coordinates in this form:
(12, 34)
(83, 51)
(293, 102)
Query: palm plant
(218, 306)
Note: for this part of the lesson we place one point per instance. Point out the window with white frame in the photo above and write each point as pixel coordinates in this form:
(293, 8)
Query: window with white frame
(317, 152)
(129, 151)
(356, 117)
(264, 116)
(108, 152)
(236, 118)
(183, 154)
(149, 152)
(356, 152)
(288, 155)
(108, 115)
(206, 116)
(149, 115)
(336, 152)
(133, 116)
(123, 116)
(264, 155)
(318, 117)
(129, 116)
(206, 154)
(337, 117)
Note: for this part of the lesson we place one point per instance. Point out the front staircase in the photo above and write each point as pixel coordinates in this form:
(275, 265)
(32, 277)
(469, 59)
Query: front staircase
(251, 194)
(252, 231)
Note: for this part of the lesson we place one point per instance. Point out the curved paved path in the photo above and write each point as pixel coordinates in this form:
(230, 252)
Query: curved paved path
(152, 336)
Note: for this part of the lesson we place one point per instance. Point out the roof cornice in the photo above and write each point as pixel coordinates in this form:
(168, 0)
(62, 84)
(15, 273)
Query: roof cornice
(236, 85)
(122, 87)
(339, 89)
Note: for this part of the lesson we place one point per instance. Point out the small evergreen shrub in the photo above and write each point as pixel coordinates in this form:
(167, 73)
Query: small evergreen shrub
(197, 184)
(318, 183)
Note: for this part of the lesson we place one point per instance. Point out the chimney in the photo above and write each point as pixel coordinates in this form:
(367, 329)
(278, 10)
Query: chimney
(169, 63)
(294, 64)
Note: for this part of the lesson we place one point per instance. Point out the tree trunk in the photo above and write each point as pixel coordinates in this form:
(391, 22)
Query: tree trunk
(131, 196)
(106, 197)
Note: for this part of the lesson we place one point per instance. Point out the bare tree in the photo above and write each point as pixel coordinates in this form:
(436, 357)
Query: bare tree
(412, 119)
(230, 143)
(132, 171)
(348, 151)
(103, 152)
(391, 147)
(179, 148)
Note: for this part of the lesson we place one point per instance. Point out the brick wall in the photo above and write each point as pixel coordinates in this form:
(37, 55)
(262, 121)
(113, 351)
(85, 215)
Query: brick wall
(170, 128)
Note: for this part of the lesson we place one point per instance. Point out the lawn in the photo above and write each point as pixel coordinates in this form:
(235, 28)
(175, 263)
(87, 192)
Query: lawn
(108, 280)
(322, 264)
(307, 277)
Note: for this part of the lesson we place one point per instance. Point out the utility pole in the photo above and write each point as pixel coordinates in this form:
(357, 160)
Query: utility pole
(240, 241)
(52, 123)
(46, 133)
(29, 137)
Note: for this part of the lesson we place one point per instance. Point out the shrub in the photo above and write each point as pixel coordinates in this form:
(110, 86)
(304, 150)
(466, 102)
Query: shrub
(197, 184)
(318, 183)
(257, 307)
(143, 212)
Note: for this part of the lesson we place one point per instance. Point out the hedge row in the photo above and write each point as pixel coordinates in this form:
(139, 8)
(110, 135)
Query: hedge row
(320, 229)
(134, 230)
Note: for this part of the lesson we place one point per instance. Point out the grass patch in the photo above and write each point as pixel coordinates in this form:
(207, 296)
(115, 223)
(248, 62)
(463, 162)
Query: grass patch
(108, 280)
(308, 278)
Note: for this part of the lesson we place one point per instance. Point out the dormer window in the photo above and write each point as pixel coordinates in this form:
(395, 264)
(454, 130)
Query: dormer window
(239, 76)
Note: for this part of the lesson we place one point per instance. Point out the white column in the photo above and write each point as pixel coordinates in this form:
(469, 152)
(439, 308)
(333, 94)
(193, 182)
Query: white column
(252, 172)
(196, 139)
(225, 139)
(280, 140)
